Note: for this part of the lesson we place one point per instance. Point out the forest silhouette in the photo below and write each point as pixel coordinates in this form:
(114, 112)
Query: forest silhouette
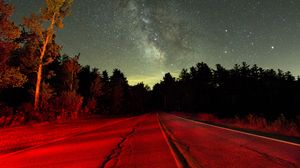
(69, 90)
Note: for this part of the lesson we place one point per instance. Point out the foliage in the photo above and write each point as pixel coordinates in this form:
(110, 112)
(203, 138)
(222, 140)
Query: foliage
(47, 96)
(139, 98)
(70, 69)
(68, 105)
(91, 88)
(43, 26)
(9, 76)
(119, 87)
(240, 91)
(30, 61)
(281, 125)
(5, 115)
(8, 31)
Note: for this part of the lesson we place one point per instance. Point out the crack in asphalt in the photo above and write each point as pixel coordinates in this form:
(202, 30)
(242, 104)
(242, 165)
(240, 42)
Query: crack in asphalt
(116, 152)
(278, 160)
(19, 150)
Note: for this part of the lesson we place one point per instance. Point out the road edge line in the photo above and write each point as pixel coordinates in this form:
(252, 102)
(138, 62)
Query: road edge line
(175, 157)
(246, 133)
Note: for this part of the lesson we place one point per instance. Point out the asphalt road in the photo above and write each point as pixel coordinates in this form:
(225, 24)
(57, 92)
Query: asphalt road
(205, 145)
(157, 140)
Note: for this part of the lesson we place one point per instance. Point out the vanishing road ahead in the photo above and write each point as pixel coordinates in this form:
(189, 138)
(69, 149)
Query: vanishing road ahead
(157, 140)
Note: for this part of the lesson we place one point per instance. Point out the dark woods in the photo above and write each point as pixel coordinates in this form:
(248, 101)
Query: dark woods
(38, 83)
(69, 90)
(239, 91)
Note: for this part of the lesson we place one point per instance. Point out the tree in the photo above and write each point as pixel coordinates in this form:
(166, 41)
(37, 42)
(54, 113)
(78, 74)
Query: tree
(9, 32)
(96, 85)
(68, 102)
(52, 15)
(71, 68)
(106, 97)
(9, 76)
(184, 75)
(168, 88)
(139, 98)
(119, 86)
(96, 91)
(221, 75)
(84, 82)
(202, 73)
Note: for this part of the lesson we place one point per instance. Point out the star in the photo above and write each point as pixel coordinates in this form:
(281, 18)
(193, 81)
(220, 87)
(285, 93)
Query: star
(146, 20)
(167, 36)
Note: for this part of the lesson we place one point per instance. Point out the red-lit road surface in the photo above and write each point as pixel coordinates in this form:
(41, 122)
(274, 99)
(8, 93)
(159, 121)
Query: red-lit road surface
(205, 145)
(158, 140)
(135, 142)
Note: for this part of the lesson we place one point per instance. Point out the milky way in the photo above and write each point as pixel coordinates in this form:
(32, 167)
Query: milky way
(146, 38)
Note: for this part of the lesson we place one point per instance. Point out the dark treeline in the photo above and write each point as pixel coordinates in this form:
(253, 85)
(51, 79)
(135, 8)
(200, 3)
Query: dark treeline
(38, 83)
(239, 91)
(70, 91)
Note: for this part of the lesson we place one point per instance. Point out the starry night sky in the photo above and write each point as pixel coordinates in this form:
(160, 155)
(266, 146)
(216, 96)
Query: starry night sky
(147, 38)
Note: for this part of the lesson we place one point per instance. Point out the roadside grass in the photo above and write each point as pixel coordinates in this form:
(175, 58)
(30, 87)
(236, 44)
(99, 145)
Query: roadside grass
(281, 125)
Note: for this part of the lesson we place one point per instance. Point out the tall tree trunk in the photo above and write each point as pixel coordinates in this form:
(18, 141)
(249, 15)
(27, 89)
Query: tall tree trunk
(40, 69)
(38, 86)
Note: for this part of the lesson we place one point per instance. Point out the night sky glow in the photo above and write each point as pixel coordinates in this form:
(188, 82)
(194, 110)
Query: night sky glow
(147, 38)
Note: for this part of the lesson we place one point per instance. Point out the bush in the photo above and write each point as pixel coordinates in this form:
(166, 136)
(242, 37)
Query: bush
(47, 103)
(68, 105)
(91, 106)
(18, 119)
(6, 115)
(281, 125)
(256, 122)
(29, 113)
(9, 118)
(207, 117)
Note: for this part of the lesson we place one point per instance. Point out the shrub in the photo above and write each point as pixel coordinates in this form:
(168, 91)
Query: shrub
(6, 115)
(91, 106)
(207, 117)
(281, 125)
(29, 113)
(68, 105)
(256, 122)
(47, 103)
